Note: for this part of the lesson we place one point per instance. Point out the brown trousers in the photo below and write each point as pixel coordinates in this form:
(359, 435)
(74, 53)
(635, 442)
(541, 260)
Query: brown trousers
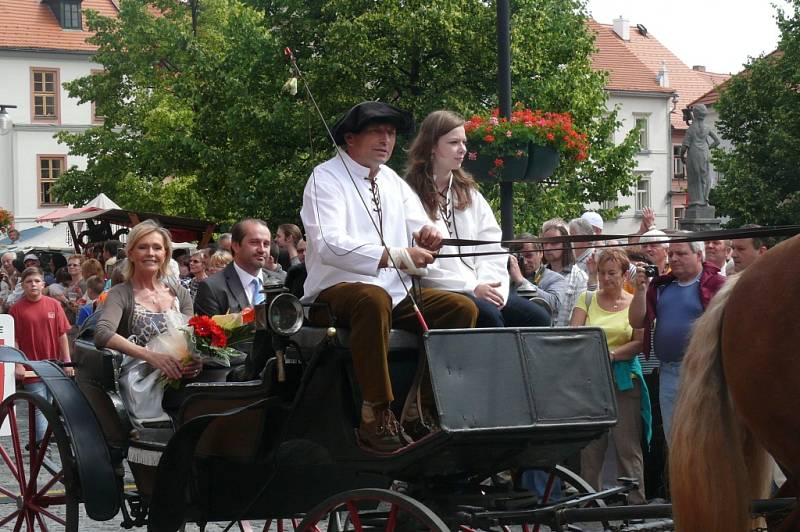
(367, 310)
(627, 435)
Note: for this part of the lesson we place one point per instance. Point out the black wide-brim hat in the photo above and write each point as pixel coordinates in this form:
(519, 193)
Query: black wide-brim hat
(362, 114)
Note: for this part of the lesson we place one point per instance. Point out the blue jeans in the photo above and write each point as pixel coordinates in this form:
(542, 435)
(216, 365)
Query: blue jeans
(38, 388)
(669, 375)
(517, 312)
(535, 480)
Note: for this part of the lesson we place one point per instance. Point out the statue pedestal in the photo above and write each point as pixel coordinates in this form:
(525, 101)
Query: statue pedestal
(700, 218)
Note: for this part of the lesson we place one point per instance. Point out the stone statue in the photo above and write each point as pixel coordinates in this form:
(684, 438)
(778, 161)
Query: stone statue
(696, 144)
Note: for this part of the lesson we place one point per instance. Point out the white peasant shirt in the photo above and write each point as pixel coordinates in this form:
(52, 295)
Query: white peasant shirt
(476, 222)
(343, 244)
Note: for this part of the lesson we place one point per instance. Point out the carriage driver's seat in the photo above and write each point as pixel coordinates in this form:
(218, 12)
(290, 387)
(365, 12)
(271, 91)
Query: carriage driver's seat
(308, 337)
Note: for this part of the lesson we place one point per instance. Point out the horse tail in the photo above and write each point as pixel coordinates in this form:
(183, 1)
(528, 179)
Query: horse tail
(716, 467)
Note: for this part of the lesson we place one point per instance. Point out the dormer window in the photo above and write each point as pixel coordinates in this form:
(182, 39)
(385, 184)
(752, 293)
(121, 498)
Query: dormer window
(68, 13)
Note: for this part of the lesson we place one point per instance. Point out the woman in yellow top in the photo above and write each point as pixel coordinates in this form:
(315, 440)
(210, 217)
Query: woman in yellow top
(608, 309)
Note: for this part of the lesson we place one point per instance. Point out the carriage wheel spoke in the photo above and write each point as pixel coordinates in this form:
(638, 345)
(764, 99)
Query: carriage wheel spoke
(39, 510)
(8, 493)
(37, 459)
(9, 518)
(391, 520)
(8, 461)
(20, 519)
(31, 434)
(29, 520)
(12, 419)
(49, 484)
(354, 517)
(42, 526)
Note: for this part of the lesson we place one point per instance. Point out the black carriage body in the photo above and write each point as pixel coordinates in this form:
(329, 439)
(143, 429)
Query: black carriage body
(506, 398)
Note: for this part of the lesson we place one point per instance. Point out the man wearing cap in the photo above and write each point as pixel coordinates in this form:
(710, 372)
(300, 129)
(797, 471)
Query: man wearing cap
(595, 220)
(30, 260)
(362, 220)
(654, 244)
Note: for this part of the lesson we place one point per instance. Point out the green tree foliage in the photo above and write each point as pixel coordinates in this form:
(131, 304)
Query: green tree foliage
(760, 115)
(200, 104)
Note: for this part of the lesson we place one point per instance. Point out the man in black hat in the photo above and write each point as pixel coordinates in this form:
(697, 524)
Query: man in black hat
(360, 216)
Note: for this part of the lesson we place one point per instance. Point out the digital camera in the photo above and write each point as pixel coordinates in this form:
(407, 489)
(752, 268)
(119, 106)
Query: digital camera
(651, 270)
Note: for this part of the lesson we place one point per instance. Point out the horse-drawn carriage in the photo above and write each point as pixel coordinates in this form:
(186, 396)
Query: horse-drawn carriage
(283, 448)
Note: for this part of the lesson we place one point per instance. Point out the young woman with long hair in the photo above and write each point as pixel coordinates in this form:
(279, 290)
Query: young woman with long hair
(453, 202)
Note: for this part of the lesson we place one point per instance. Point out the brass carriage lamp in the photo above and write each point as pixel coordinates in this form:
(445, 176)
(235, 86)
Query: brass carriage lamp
(6, 124)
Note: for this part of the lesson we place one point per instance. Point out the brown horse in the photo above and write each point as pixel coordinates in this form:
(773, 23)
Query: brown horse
(739, 399)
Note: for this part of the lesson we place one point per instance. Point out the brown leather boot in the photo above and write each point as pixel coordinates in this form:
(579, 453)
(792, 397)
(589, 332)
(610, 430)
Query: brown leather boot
(379, 429)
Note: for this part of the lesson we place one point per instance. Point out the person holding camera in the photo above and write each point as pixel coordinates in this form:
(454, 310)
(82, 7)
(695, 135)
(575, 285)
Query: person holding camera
(666, 306)
(530, 275)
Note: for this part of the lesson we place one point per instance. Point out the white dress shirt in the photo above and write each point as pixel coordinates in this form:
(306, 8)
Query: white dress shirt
(246, 279)
(476, 222)
(343, 244)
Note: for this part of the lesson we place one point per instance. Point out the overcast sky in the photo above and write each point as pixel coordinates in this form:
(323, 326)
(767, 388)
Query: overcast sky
(719, 34)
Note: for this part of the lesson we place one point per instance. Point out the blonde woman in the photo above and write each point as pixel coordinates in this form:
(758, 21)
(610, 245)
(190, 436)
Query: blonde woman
(218, 261)
(138, 310)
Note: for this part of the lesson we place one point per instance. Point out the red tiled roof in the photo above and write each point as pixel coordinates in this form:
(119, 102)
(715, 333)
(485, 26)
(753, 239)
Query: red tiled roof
(31, 25)
(689, 84)
(711, 97)
(626, 71)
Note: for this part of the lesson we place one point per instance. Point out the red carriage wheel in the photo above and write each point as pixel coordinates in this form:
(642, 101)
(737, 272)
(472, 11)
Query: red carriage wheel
(284, 525)
(38, 479)
(373, 510)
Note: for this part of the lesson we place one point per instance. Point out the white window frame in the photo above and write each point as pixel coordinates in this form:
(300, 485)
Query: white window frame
(677, 214)
(644, 133)
(639, 201)
(678, 167)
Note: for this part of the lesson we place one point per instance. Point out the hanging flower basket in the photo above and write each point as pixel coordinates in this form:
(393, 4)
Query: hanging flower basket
(528, 147)
(531, 163)
(487, 167)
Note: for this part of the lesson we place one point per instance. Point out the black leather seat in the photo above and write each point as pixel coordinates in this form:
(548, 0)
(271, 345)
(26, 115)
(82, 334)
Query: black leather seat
(309, 337)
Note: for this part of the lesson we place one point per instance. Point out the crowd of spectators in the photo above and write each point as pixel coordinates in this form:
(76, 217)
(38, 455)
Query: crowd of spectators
(647, 319)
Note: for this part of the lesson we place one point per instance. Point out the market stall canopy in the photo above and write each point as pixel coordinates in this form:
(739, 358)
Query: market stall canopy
(100, 202)
(99, 221)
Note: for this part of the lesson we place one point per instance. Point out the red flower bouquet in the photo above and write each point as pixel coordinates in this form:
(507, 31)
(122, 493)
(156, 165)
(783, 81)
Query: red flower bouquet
(213, 339)
(216, 337)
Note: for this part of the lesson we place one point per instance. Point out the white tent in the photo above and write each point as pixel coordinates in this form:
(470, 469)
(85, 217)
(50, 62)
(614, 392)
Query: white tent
(101, 201)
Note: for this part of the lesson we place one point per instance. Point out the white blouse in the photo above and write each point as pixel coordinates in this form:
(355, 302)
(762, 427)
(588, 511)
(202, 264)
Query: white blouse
(476, 222)
(343, 244)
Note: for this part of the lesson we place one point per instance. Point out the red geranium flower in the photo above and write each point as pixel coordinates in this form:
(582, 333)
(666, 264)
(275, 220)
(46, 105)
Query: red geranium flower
(498, 163)
(489, 138)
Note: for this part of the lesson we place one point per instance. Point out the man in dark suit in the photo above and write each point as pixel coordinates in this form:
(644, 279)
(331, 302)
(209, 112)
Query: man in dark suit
(238, 286)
